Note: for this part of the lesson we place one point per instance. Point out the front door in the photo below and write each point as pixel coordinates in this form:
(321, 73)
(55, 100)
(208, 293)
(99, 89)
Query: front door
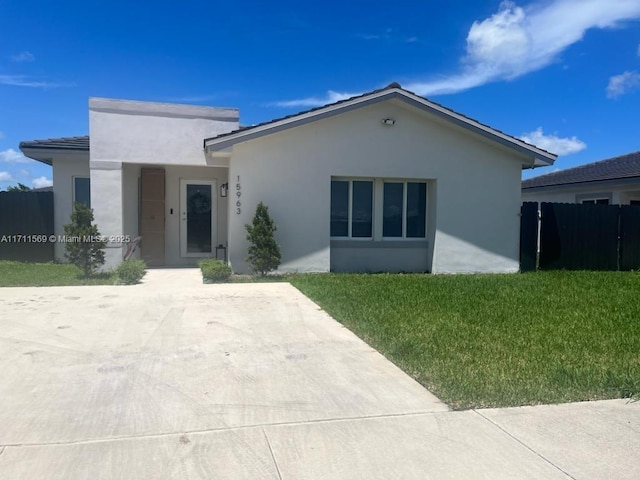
(152, 216)
(197, 218)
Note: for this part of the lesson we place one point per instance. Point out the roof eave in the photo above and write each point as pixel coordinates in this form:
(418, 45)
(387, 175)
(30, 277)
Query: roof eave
(539, 157)
(631, 180)
(47, 155)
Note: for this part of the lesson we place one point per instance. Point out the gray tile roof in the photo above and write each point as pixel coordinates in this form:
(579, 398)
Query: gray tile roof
(64, 143)
(392, 85)
(622, 167)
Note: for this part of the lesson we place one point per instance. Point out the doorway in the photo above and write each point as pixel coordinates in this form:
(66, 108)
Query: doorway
(197, 218)
(152, 220)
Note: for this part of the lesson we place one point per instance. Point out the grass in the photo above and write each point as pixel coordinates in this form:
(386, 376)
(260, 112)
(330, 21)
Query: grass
(497, 340)
(473, 340)
(19, 274)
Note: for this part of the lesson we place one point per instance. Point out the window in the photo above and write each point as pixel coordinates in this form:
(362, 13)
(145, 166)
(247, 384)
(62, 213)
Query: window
(352, 208)
(402, 214)
(82, 190)
(404, 210)
(596, 201)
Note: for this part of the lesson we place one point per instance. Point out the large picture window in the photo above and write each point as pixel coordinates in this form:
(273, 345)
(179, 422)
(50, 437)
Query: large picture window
(402, 216)
(82, 191)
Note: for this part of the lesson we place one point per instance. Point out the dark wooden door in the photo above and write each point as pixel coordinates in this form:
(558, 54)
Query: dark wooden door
(152, 209)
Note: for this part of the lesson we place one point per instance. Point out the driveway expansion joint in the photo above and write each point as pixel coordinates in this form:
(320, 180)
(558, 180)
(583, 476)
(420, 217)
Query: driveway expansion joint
(222, 429)
(525, 445)
(273, 456)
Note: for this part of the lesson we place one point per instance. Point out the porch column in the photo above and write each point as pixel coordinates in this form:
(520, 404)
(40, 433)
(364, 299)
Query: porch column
(106, 201)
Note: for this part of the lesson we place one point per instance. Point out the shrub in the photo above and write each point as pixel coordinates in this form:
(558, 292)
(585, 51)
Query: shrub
(84, 247)
(264, 252)
(214, 271)
(130, 272)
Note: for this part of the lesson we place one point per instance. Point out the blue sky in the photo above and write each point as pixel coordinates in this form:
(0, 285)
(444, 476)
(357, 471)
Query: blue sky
(563, 74)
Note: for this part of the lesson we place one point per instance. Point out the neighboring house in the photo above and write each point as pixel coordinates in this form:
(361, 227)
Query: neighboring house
(613, 181)
(385, 181)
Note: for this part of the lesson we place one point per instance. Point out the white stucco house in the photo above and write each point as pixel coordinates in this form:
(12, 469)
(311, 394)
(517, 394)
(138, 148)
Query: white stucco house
(385, 181)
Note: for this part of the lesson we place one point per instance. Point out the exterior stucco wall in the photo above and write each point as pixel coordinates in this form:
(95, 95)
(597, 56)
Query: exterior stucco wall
(619, 194)
(130, 202)
(106, 201)
(127, 135)
(154, 133)
(64, 171)
(474, 187)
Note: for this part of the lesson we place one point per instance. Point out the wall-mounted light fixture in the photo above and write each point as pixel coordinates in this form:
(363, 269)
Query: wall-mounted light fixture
(223, 189)
(388, 121)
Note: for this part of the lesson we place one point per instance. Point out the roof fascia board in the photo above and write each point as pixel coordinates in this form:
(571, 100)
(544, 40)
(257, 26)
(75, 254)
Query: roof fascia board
(284, 124)
(480, 129)
(47, 155)
(591, 183)
(133, 107)
(421, 103)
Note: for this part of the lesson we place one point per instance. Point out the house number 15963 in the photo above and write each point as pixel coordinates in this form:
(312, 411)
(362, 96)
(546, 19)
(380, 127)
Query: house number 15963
(238, 195)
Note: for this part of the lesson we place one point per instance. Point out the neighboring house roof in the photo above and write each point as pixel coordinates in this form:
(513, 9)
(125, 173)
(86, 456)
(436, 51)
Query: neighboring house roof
(64, 143)
(394, 90)
(40, 149)
(616, 168)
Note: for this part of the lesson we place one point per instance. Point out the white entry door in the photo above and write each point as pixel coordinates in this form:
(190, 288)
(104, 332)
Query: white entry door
(197, 217)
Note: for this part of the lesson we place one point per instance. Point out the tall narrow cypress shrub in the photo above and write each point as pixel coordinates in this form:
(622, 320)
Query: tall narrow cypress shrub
(85, 247)
(264, 252)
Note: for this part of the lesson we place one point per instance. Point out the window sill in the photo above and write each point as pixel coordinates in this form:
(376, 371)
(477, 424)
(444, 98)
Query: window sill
(405, 243)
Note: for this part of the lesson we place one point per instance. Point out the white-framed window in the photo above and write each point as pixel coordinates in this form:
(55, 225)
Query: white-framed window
(82, 190)
(381, 209)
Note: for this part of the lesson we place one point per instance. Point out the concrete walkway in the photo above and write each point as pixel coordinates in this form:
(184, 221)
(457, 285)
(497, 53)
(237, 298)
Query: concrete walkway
(176, 379)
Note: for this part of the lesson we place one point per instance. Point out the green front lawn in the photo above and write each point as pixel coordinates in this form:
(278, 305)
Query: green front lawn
(19, 274)
(497, 340)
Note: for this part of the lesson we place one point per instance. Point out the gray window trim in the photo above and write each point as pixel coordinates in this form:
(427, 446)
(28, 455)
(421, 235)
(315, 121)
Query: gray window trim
(595, 196)
(73, 200)
(415, 243)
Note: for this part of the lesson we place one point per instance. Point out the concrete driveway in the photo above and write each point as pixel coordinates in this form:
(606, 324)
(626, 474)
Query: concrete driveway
(175, 379)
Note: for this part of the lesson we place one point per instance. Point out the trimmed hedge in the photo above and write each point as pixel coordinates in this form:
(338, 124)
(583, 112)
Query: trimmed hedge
(214, 271)
(130, 272)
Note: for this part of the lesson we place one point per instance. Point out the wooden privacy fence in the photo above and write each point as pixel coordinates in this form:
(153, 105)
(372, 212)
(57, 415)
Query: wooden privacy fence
(557, 236)
(26, 223)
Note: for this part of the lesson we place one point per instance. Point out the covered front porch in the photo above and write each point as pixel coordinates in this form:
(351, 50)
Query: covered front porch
(179, 211)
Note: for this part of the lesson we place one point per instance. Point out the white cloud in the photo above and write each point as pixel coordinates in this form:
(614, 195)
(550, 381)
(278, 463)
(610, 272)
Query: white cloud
(23, 57)
(11, 156)
(330, 97)
(515, 40)
(22, 81)
(42, 182)
(623, 83)
(553, 143)
(5, 177)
